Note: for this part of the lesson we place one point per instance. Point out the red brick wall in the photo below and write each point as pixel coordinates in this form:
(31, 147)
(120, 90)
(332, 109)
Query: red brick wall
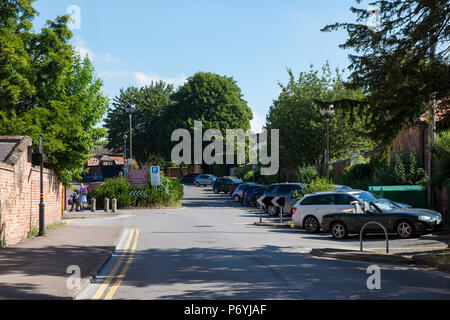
(414, 139)
(19, 199)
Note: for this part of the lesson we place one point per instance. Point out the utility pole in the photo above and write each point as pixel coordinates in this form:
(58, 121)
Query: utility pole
(42, 230)
(130, 110)
(432, 127)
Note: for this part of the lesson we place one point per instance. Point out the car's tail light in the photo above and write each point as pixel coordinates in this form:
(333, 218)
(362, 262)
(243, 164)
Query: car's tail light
(294, 210)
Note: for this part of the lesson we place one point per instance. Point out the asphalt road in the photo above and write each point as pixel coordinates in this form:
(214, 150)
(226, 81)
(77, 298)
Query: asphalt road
(210, 249)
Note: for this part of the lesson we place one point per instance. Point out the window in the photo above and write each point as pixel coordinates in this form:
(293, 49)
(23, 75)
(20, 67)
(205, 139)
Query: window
(365, 196)
(343, 199)
(322, 199)
(308, 201)
(284, 189)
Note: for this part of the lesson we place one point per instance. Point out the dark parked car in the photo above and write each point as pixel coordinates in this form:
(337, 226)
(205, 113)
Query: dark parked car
(248, 192)
(287, 190)
(238, 193)
(189, 178)
(403, 221)
(255, 195)
(224, 184)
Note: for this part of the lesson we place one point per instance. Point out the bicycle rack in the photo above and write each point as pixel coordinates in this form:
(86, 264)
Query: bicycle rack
(362, 231)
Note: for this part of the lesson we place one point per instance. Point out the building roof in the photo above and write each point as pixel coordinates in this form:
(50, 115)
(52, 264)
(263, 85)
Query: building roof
(12, 148)
(102, 151)
(5, 149)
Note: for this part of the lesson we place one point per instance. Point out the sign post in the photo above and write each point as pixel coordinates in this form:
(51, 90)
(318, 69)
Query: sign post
(138, 177)
(279, 202)
(155, 176)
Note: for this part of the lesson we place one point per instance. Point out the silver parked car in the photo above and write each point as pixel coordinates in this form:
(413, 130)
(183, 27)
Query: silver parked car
(204, 180)
(238, 193)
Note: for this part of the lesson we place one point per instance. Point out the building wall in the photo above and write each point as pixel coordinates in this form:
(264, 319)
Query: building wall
(176, 173)
(20, 197)
(414, 139)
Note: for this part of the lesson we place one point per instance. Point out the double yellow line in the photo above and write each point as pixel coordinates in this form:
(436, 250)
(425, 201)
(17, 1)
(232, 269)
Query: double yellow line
(112, 275)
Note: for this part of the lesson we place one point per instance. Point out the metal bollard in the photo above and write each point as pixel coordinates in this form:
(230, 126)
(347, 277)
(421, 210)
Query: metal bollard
(93, 205)
(114, 205)
(106, 205)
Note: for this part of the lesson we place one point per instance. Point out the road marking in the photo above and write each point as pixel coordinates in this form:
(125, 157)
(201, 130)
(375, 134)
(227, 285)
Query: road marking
(119, 280)
(104, 286)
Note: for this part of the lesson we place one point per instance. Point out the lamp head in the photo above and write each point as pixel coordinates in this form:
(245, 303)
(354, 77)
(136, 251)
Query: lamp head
(326, 110)
(130, 108)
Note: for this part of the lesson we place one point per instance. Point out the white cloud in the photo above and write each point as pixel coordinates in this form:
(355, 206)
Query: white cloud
(107, 58)
(83, 49)
(257, 123)
(115, 74)
(144, 79)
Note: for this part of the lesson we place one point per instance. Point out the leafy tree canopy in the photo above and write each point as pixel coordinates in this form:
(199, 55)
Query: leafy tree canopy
(302, 128)
(215, 100)
(46, 88)
(402, 66)
(149, 102)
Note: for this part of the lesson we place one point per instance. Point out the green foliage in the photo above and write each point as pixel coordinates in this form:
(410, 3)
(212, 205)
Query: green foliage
(149, 102)
(305, 174)
(215, 100)
(403, 65)
(169, 193)
(441, 154)
(357, 176)
(302, 128)
(316, 185)
(403, 170)
(33, 233)
(47, 89)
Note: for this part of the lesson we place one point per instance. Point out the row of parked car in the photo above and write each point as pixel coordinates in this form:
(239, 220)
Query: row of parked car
(341, 212)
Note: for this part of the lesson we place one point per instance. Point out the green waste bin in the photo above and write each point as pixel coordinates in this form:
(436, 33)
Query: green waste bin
(415, 196)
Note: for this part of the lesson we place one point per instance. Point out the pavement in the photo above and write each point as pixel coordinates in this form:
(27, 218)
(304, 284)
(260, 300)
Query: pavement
(37, 268)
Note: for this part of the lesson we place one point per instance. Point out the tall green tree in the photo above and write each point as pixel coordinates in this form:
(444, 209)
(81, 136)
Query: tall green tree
(58, 94)
(149, 102)
(15, 59)
(402, 66)
(302, 128)
(215, 100)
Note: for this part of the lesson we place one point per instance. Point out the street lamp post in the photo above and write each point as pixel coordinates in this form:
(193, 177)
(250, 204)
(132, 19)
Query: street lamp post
(42, 230)
(327, 111)
(124, 147)
(130, 110)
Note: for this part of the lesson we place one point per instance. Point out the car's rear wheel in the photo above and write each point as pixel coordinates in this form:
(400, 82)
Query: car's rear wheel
(273, 211)
(405, 229)
(216, 191)
(339, 230)
(311, 224)
(237, 198)
(197, 184)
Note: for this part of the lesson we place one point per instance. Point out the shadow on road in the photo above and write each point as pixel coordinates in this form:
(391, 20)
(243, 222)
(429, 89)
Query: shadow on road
(267, 272)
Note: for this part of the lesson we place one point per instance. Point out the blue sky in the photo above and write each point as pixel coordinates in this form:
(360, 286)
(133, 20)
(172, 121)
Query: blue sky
(136, 41)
